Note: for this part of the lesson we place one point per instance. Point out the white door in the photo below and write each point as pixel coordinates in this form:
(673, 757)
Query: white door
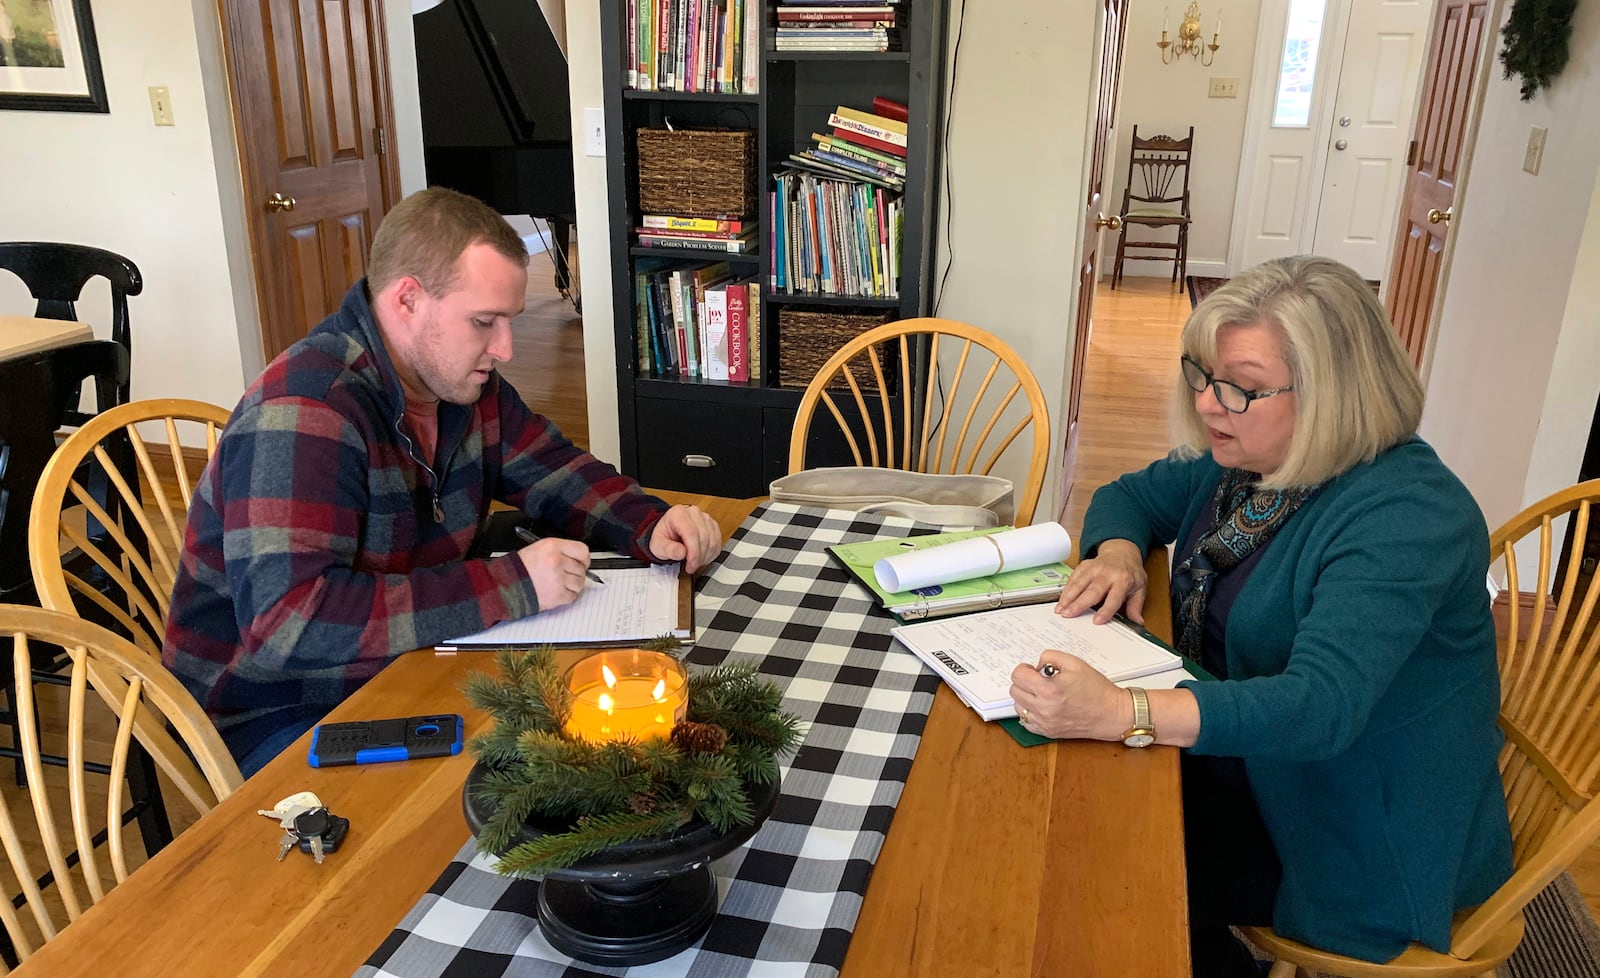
(1373, 109)
(1335, 86)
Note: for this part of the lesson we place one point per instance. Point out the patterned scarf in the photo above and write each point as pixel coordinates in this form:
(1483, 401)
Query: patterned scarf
(1244, 519)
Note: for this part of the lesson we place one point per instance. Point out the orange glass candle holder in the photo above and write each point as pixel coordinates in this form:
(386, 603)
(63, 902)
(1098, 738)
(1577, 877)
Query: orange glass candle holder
(626, 693)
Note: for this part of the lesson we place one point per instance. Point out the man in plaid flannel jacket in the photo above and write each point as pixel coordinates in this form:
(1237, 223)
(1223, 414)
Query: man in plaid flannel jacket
(331, 531)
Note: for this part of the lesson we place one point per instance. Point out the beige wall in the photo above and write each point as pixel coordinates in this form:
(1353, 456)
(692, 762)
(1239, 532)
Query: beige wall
(1512, 379)
(1170, 98)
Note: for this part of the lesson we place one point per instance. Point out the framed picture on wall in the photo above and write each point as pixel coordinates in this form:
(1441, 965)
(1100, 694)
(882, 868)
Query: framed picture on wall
(49, 60)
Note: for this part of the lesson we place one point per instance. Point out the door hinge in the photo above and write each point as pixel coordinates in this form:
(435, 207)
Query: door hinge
(1411, 154)
(380, 141)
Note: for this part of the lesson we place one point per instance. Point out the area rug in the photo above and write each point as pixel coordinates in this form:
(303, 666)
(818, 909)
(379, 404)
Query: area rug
(1201, 286)
(1562, 940)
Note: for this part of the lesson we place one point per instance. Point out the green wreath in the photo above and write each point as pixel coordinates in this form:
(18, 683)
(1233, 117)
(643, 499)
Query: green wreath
(623, 790)
(1536, 37)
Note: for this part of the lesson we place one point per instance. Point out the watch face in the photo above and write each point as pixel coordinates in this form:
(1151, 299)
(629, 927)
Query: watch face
(1139, 738)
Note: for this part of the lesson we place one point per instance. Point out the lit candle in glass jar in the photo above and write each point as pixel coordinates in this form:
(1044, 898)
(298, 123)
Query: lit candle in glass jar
(626, 693)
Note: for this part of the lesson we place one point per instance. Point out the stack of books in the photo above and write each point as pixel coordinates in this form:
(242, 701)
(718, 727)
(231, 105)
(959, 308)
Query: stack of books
(837, 208)
(672, 232)
(693, 45)
(836, 25)
(696, 321)
(866, 146)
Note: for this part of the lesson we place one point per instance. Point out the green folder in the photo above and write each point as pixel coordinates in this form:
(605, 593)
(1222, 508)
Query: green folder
(1031, 585)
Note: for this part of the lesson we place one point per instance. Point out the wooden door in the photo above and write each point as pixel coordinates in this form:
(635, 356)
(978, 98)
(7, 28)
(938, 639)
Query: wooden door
(1112, 26)
(1460, 28)
(312, 111)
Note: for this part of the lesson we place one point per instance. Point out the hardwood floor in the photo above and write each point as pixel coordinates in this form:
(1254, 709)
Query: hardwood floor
(1127, 383)
(546, 366)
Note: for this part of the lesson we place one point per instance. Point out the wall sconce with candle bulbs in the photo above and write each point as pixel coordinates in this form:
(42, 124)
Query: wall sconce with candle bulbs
(1189, 42)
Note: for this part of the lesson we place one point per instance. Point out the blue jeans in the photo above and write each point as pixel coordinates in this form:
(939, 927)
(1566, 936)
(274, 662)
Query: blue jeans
(257, 757)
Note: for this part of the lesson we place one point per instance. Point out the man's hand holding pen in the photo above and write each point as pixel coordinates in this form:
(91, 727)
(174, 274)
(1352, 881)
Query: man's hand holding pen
(559, 568)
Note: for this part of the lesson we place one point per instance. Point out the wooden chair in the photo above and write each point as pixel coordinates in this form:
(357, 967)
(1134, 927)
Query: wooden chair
(1154, 168)
(124, 570)
(55, 274)
(146, 701)
(1550, 765)
(912, 345)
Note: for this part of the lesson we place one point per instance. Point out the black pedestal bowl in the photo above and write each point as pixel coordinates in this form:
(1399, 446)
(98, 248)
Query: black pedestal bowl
(637, 902)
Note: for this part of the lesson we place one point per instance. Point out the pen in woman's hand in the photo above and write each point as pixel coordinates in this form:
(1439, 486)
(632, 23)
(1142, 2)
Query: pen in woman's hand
(1047, 670)
(528, 536)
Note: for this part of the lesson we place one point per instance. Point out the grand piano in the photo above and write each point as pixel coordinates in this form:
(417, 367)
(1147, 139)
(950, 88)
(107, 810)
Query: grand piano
(496, 122)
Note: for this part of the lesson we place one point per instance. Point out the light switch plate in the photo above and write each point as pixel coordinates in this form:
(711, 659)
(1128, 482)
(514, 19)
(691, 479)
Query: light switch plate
(161, 105)
(1534, 156)
(1224, 88)
(594, 131)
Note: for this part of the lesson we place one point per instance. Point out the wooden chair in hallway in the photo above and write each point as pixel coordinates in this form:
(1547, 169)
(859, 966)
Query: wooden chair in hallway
(1550, 765)
(1156, 195)
(122, 541)
(885, 359)
(146, 702)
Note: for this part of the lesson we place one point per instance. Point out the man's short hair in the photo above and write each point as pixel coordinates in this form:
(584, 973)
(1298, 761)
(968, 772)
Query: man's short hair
(1357, 394)
(424, 235)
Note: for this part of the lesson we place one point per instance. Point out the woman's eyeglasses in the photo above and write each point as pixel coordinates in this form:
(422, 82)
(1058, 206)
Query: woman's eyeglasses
(1231, 396)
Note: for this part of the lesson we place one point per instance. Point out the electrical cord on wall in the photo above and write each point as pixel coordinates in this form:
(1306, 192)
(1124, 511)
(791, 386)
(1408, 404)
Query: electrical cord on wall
(949, 199)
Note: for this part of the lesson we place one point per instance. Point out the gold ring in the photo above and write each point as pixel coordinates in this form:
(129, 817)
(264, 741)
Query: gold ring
(1023, 716)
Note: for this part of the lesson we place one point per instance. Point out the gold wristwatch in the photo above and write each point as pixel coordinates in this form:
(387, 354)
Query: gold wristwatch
(1142, 733)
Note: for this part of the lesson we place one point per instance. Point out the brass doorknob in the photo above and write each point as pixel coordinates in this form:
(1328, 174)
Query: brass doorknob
(278, 202)
(1112, 223)
(1435, 215)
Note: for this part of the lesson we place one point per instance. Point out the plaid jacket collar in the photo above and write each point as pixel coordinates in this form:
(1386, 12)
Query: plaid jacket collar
(367, 356)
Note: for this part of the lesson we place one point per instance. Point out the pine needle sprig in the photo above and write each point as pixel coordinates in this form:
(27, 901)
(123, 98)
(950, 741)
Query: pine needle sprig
(590, 836)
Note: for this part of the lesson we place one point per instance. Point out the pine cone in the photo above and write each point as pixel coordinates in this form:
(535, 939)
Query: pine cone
(699, 738)
(642, 804)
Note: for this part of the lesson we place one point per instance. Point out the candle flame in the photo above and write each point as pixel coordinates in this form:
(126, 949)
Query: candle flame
(609, 676)
(606, 703)
(660, 692)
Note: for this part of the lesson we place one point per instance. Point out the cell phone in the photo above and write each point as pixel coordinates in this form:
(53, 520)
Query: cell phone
(376, 741)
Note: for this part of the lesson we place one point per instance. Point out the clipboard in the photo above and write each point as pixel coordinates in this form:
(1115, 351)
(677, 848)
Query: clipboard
(646, 601)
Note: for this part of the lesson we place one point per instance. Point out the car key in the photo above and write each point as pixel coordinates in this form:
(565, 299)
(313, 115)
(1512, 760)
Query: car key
(310, 826)
(338, 828)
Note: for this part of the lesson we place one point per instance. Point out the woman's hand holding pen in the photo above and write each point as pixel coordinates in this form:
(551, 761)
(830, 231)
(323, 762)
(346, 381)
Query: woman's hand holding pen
(558, 569)
(1063, 697)
(1113, 579)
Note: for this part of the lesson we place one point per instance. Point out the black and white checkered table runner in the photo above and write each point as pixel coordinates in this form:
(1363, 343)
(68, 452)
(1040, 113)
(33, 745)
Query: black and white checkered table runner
(790, 897)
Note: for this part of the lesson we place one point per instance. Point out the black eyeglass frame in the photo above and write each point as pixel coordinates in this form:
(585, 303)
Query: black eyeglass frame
(1216, 386)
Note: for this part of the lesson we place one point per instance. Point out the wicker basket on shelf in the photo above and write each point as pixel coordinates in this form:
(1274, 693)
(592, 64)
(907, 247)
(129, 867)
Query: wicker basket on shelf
(808, 337)
(697, 172)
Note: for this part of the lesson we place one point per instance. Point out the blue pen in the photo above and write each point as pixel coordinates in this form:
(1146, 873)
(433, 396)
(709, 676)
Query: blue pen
(528, 536)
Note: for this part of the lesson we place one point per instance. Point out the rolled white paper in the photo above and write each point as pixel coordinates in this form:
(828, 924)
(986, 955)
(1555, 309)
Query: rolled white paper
(1028, 546)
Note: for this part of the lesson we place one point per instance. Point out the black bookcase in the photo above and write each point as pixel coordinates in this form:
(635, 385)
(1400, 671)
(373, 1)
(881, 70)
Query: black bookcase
(732, 439)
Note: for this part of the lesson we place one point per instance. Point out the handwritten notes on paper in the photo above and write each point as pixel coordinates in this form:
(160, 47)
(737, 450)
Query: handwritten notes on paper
(634, 604)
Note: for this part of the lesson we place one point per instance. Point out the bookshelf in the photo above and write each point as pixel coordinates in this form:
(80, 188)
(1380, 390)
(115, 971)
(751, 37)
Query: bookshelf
(732, 439)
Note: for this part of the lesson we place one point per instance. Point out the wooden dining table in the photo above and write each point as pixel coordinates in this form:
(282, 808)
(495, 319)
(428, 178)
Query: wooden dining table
(1064, 859)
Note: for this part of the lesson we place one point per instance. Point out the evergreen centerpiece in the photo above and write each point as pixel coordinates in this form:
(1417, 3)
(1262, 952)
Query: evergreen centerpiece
(623, 789)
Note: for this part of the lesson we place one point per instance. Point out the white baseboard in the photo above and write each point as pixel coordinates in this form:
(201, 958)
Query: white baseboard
(1147, 268)
(529, 229)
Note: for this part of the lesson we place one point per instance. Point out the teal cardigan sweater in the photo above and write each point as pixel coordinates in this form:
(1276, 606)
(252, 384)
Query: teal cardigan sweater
(1362, 694)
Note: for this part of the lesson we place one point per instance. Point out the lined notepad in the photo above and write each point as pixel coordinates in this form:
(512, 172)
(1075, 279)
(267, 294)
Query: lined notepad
(634, 604)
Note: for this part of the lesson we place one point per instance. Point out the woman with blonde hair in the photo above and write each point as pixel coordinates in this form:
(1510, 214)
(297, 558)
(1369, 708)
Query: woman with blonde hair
(1340, 780)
